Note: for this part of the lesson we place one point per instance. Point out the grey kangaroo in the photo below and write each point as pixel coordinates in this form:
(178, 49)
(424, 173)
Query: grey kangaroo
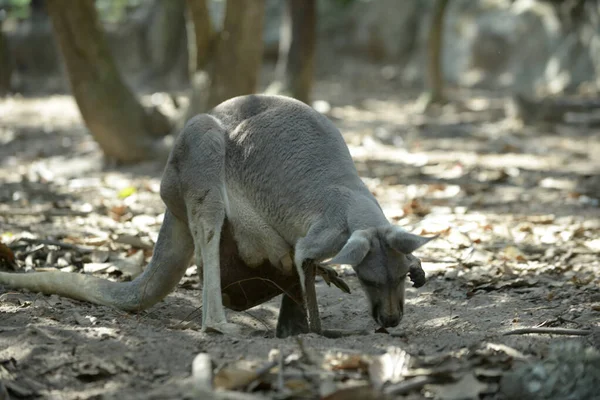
(262, 189)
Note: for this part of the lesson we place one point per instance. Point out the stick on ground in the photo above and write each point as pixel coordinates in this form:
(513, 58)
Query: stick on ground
(550, 331)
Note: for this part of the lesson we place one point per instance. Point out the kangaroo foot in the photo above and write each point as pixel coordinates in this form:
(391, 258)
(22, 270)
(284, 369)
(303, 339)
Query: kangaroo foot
(225, 328)
(292, 319)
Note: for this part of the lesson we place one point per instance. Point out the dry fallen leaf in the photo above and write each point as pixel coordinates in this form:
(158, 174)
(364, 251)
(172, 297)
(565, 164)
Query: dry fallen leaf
(129, 267)
(298, 385)
(340, 361)
(7, 256)
(513, 253)
(389, 367)
(415, 207)
(441, 232)
(120, 213)
(232, 378)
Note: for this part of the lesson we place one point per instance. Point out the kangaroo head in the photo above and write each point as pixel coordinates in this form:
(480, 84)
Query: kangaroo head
(382, 259)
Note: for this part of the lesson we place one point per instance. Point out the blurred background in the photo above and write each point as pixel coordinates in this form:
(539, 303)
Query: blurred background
(106, 52)
(165, 60)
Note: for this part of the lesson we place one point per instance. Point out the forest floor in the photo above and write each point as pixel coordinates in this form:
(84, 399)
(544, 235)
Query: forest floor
(517, 209)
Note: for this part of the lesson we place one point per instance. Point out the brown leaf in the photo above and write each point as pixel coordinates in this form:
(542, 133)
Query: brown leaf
(414, 207)
(389, 367)
(297, 385)
(7, 256)
(443, 232)
(340, 361)
(232, 378)
(120, 213)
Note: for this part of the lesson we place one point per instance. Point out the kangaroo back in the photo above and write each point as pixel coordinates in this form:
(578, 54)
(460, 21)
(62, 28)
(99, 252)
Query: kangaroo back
(289, 161)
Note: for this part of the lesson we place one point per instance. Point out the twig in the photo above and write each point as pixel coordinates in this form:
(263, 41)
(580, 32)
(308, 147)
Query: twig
(408, 385)
(280, 380)
(550, 331)
(15, 212)
(268, 328)
(34, 249)
(48, 242)
(187, 318)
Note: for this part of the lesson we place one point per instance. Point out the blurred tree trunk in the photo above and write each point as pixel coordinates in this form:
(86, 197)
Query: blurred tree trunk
(238, 51)
(125, 131)
(166, 43)
(201, 43)
(435, 72)
(38, 10)
(297, 41)
(6, 66)
(200, 35)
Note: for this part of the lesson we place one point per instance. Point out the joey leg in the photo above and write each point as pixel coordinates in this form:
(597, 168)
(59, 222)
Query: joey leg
(312, 306)
(293, 319)
(330, 276)
(299, 314)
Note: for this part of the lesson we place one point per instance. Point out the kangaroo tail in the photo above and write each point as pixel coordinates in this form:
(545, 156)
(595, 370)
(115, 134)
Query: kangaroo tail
(172, 254)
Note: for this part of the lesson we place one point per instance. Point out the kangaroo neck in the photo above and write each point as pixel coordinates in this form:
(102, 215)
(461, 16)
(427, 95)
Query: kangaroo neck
(364, 212)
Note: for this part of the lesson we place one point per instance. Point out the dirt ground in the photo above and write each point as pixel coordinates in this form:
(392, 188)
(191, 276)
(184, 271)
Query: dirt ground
(517, 209)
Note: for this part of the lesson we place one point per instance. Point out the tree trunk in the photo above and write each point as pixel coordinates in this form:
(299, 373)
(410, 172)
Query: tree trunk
(238, 53)
(297, 41)
(200, 35)
(5, 64)
(38, 10)
(125, 131)
(201, 44)
(435, 70)
(166, 44)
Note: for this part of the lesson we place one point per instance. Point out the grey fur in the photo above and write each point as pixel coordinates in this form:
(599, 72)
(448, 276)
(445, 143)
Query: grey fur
(282, 175)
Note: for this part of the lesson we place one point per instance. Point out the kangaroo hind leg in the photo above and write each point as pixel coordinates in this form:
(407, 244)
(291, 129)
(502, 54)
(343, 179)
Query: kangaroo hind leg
(206, 220)
(201, 172)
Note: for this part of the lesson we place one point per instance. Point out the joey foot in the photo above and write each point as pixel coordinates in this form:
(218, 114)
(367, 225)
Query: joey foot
(330, 276)
(293, 319)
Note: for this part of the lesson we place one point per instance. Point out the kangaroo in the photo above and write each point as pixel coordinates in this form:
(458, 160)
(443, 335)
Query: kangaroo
(261, 188)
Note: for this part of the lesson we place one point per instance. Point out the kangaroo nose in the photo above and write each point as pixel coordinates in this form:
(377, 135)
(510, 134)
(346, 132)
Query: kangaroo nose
(390, 321)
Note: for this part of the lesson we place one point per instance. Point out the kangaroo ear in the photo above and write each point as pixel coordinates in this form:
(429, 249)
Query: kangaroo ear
(405, 242)
(354, 251)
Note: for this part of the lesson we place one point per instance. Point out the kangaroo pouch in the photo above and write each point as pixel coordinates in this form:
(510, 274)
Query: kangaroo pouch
(244, 287)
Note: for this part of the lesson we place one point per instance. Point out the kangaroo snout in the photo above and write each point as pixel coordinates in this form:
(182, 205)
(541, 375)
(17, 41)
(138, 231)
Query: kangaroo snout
(389, 321)
(387, 317)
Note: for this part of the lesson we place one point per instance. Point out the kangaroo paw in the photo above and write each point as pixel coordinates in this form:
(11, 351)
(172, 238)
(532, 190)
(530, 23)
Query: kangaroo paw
(416, 273)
